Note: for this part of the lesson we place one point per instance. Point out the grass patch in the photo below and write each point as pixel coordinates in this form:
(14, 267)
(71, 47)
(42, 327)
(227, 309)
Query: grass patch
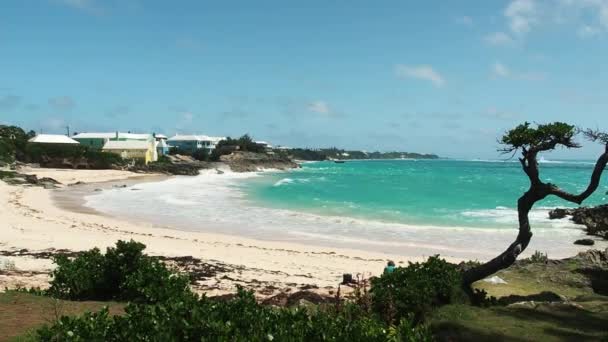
(544, 323)
(21, 313)
(535, 278)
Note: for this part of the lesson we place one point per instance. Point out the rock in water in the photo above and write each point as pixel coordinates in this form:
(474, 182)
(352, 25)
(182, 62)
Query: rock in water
(584, 242)
(595, 218)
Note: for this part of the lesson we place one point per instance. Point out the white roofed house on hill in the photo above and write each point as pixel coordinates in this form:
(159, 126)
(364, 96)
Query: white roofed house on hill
(53, 139)
(191, 143)
(97, 140)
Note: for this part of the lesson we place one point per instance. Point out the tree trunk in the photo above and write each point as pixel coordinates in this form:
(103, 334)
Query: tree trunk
(538, 191)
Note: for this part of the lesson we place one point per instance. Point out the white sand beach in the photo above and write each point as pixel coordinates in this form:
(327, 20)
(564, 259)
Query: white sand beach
(31, 220)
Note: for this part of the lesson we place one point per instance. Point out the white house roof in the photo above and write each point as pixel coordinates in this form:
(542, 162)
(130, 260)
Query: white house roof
(126, 145)
(161, 136)
(264, 143)
(132, 136)
(179, 137)
(53, 139)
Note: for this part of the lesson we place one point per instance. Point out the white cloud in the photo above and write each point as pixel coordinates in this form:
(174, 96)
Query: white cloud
(521, 15)
(9, 102)
(583, 10)
(54, 124)
(498, 39)
(187, 116)
(495, 113)
(83, 5)
(422, 72)
(465, 20)
(62, 103)
(587, 31)
(500, 70)
(319, 107)
(586, 18)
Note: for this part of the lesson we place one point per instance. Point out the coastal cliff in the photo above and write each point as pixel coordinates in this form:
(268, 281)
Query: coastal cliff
(252, 162)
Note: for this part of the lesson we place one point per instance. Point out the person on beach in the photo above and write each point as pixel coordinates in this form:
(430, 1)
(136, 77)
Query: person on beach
(390, 267)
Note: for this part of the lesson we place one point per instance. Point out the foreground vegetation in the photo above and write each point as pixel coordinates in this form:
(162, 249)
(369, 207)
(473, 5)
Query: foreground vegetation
(163, 308)
(543, 299)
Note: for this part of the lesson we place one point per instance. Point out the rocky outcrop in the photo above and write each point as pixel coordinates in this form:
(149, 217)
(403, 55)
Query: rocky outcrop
(252, 162)
(178, 168)
(594, 218)
(23, 179)
(584, 242)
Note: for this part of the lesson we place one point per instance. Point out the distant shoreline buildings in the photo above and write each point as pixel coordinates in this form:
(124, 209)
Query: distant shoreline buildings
(145, 147)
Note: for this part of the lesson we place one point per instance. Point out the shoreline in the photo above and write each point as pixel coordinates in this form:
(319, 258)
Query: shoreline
(41, 220)
(213, 204)
(34, 222)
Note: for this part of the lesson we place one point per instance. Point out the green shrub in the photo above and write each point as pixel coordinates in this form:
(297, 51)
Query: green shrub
(201, 154)
(176, 150)
(49, 154)
(239, 319)
(123, 273)
(7, 151)
(415, 289)
(163, 160)
(12, 143)
(539, 258)
(245, 143)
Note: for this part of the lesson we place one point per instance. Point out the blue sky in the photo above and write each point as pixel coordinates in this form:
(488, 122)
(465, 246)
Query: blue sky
(436, 76)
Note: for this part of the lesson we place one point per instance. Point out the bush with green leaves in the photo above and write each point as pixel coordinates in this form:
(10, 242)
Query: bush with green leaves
(201, 154)
(13, 140)
(415, 289)
(238, 319)
(49, 154)
(123, 273)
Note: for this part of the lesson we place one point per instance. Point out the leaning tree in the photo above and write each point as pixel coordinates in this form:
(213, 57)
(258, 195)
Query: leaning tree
(532, 140)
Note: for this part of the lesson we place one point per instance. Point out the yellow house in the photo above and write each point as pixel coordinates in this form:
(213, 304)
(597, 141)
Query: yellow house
(131, 149)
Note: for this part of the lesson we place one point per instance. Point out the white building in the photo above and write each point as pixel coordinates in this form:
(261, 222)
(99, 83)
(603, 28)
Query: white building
(132, 149)
(191, 143)
(53, 139)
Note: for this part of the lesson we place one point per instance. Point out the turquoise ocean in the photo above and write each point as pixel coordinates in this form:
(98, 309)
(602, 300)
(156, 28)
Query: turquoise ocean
(423, 192)
(405, 207)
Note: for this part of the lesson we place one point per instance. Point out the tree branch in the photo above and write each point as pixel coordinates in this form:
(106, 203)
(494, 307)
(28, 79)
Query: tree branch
(594, 182)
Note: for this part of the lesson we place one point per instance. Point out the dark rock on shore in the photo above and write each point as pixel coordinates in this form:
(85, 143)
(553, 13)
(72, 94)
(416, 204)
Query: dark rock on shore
(594, 218)
(178, 168)
(23, 179)
(584, 242)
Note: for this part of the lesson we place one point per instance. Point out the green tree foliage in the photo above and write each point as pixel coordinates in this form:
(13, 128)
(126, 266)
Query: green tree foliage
(415, 289)
(201, 154)
(163, 308)
(543, 137)
(176, 150)
(335, 153)
(50, 154)
(245, 143)
(12, 142)
(123, 273)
